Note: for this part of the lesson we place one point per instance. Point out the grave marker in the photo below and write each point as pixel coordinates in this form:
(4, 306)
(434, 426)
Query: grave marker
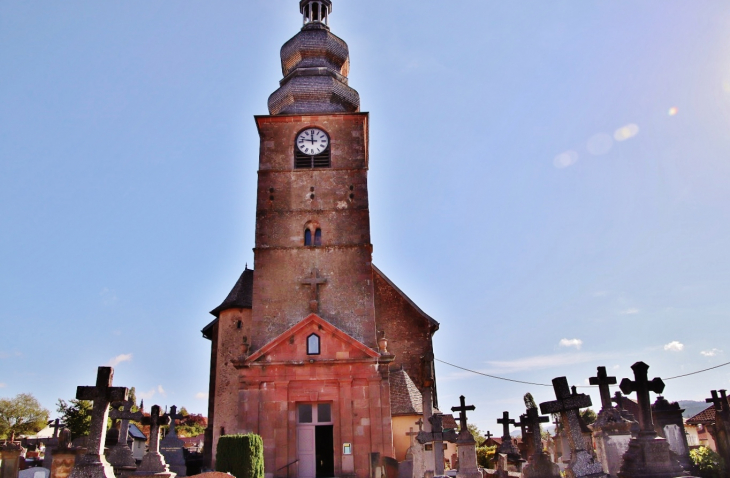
(153, 463)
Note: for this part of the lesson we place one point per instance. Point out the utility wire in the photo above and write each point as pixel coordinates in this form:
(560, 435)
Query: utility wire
(580, 386)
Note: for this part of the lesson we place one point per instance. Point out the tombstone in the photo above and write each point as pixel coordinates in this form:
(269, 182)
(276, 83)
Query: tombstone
(648, 455)
(52, 443)
(437, 437)
(508, 447)
(538, 464)
(466, 445)
(669, 424)
(10, 455)
(153, 464)
(526, 446)
(36, 472)
(421, 458)
(405, 469)
(171, 446)
(65, 455)
(582, 461)
(93, 464)
(120, 456)
(612, 430)
(720, 431)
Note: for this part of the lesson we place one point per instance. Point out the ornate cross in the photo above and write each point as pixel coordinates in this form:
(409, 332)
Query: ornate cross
(505, 421)
(314, 282)
(462, 412)
(642, 386)
(125, 414)
(102, 395)
(533, 420)
(173, 417)
(604, 381)
(568, 404)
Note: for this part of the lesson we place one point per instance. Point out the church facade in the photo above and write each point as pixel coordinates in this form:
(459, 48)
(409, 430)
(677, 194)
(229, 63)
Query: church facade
(304, 346)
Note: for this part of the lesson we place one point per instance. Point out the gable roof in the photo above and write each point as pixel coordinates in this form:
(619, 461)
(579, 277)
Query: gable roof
(136, 433)
(241, 296)
(325, 326)
(405, 398)
(431, 321)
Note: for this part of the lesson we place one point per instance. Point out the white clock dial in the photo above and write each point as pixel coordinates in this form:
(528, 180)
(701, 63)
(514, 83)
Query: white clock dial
(312, 141)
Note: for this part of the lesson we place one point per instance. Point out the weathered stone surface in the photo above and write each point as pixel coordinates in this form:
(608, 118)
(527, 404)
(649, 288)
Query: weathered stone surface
(538, 464)
(669, 424)
(62, 463)
(120, 455)
(508, 446)
(171, 446)
(720, 430)
(648, 455)
(10, 455)
(153, 463)
(93, 464)
(582, 461)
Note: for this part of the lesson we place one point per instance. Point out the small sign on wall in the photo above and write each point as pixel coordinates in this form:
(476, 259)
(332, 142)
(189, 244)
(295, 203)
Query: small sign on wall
(347, 448)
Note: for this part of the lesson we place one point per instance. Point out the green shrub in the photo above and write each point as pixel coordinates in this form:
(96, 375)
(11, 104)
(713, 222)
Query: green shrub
(240, 455)
(485, 456)
(708, 463)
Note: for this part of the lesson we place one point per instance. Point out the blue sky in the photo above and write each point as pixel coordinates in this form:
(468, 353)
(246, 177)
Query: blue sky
(549, 181)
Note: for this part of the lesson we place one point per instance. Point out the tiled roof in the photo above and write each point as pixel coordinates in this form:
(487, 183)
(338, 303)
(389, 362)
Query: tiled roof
(241, 296)
(705, 416)
(405, 398)
(449, 423)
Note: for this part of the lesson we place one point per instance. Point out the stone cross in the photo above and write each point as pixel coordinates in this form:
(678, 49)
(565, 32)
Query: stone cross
(420, 424)
(488, 435)
(437, 436)
(314, 282)
(505, 421)
(568, 404)
(56, 427)
(173, 418)
(153, 462)
(604, 382)
(722, 423)
(533, 420)
(462, 412)
(125, 415)
(411, 434)
(523, 425)
(720, 403)
(642, 386)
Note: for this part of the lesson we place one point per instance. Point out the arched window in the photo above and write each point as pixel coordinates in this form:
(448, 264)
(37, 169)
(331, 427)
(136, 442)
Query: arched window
(318, 237)
(307, 237)
(313, 344)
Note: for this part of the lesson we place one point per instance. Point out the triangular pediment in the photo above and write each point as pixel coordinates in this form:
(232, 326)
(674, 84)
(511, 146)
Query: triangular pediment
(334, 345)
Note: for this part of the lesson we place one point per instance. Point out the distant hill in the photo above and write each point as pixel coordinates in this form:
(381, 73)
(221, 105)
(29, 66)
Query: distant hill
(692, 407)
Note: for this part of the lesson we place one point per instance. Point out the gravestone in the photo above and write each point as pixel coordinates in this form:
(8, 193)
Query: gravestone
(437, 437)
(64, 455)
(526, 446)
(405, 468)
(669, 424)
(648, 455)
(466, 445)
(508, 447)
(153, 463)
(611, 430)
(171, 446)
(10, 455)
(538, 464)
(421, 459)
(52, 443)
(37, 472)
(720, 431)
(120, 455)
(582, 461)
(93, 464)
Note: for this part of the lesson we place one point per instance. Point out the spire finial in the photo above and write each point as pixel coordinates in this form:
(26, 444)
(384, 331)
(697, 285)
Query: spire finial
(315, 11)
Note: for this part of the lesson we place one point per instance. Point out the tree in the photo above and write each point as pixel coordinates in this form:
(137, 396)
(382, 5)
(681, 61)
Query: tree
(21, 415)
(588, 416)
(476, 433)
(708, 463)
(76, 415)
(191, 425)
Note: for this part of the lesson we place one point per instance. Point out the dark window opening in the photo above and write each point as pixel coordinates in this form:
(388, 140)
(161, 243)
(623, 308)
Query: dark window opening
(313, 344)
(318, 237)
(307, 237)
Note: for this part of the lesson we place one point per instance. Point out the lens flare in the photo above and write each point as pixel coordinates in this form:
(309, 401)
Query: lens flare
(673, 111)
(626, 132)
(563, 160)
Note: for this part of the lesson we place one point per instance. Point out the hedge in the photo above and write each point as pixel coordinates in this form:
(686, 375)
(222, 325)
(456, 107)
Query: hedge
(240, 455)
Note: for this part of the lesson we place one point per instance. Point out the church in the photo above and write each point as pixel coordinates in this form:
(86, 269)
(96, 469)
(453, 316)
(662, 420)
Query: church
(315, 349)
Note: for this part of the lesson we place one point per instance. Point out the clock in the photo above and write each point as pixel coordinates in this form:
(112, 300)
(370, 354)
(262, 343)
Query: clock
(312, 141)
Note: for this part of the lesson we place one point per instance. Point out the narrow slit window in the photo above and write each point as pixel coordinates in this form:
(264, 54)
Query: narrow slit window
(318, 237)
(307, 237)
(313, 344)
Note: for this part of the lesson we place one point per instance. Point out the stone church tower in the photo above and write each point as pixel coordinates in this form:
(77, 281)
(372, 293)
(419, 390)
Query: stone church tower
(305, 347)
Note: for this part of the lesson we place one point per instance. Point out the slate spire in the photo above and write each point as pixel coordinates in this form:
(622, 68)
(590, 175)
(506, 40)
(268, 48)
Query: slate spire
(315, 64)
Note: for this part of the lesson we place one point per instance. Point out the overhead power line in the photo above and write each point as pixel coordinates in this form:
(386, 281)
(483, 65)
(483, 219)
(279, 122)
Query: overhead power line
(580, 386)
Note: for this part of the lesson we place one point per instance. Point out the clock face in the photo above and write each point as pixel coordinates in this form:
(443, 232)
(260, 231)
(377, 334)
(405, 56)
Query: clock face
(312, 141)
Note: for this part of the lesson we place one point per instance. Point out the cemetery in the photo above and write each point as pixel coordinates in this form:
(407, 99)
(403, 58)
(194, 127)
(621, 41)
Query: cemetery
(322, 367)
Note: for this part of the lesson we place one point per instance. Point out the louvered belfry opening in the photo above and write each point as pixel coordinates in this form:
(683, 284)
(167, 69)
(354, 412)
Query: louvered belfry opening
(305, 161)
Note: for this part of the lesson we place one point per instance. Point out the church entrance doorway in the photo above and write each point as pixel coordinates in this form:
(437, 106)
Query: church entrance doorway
(315, 440)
